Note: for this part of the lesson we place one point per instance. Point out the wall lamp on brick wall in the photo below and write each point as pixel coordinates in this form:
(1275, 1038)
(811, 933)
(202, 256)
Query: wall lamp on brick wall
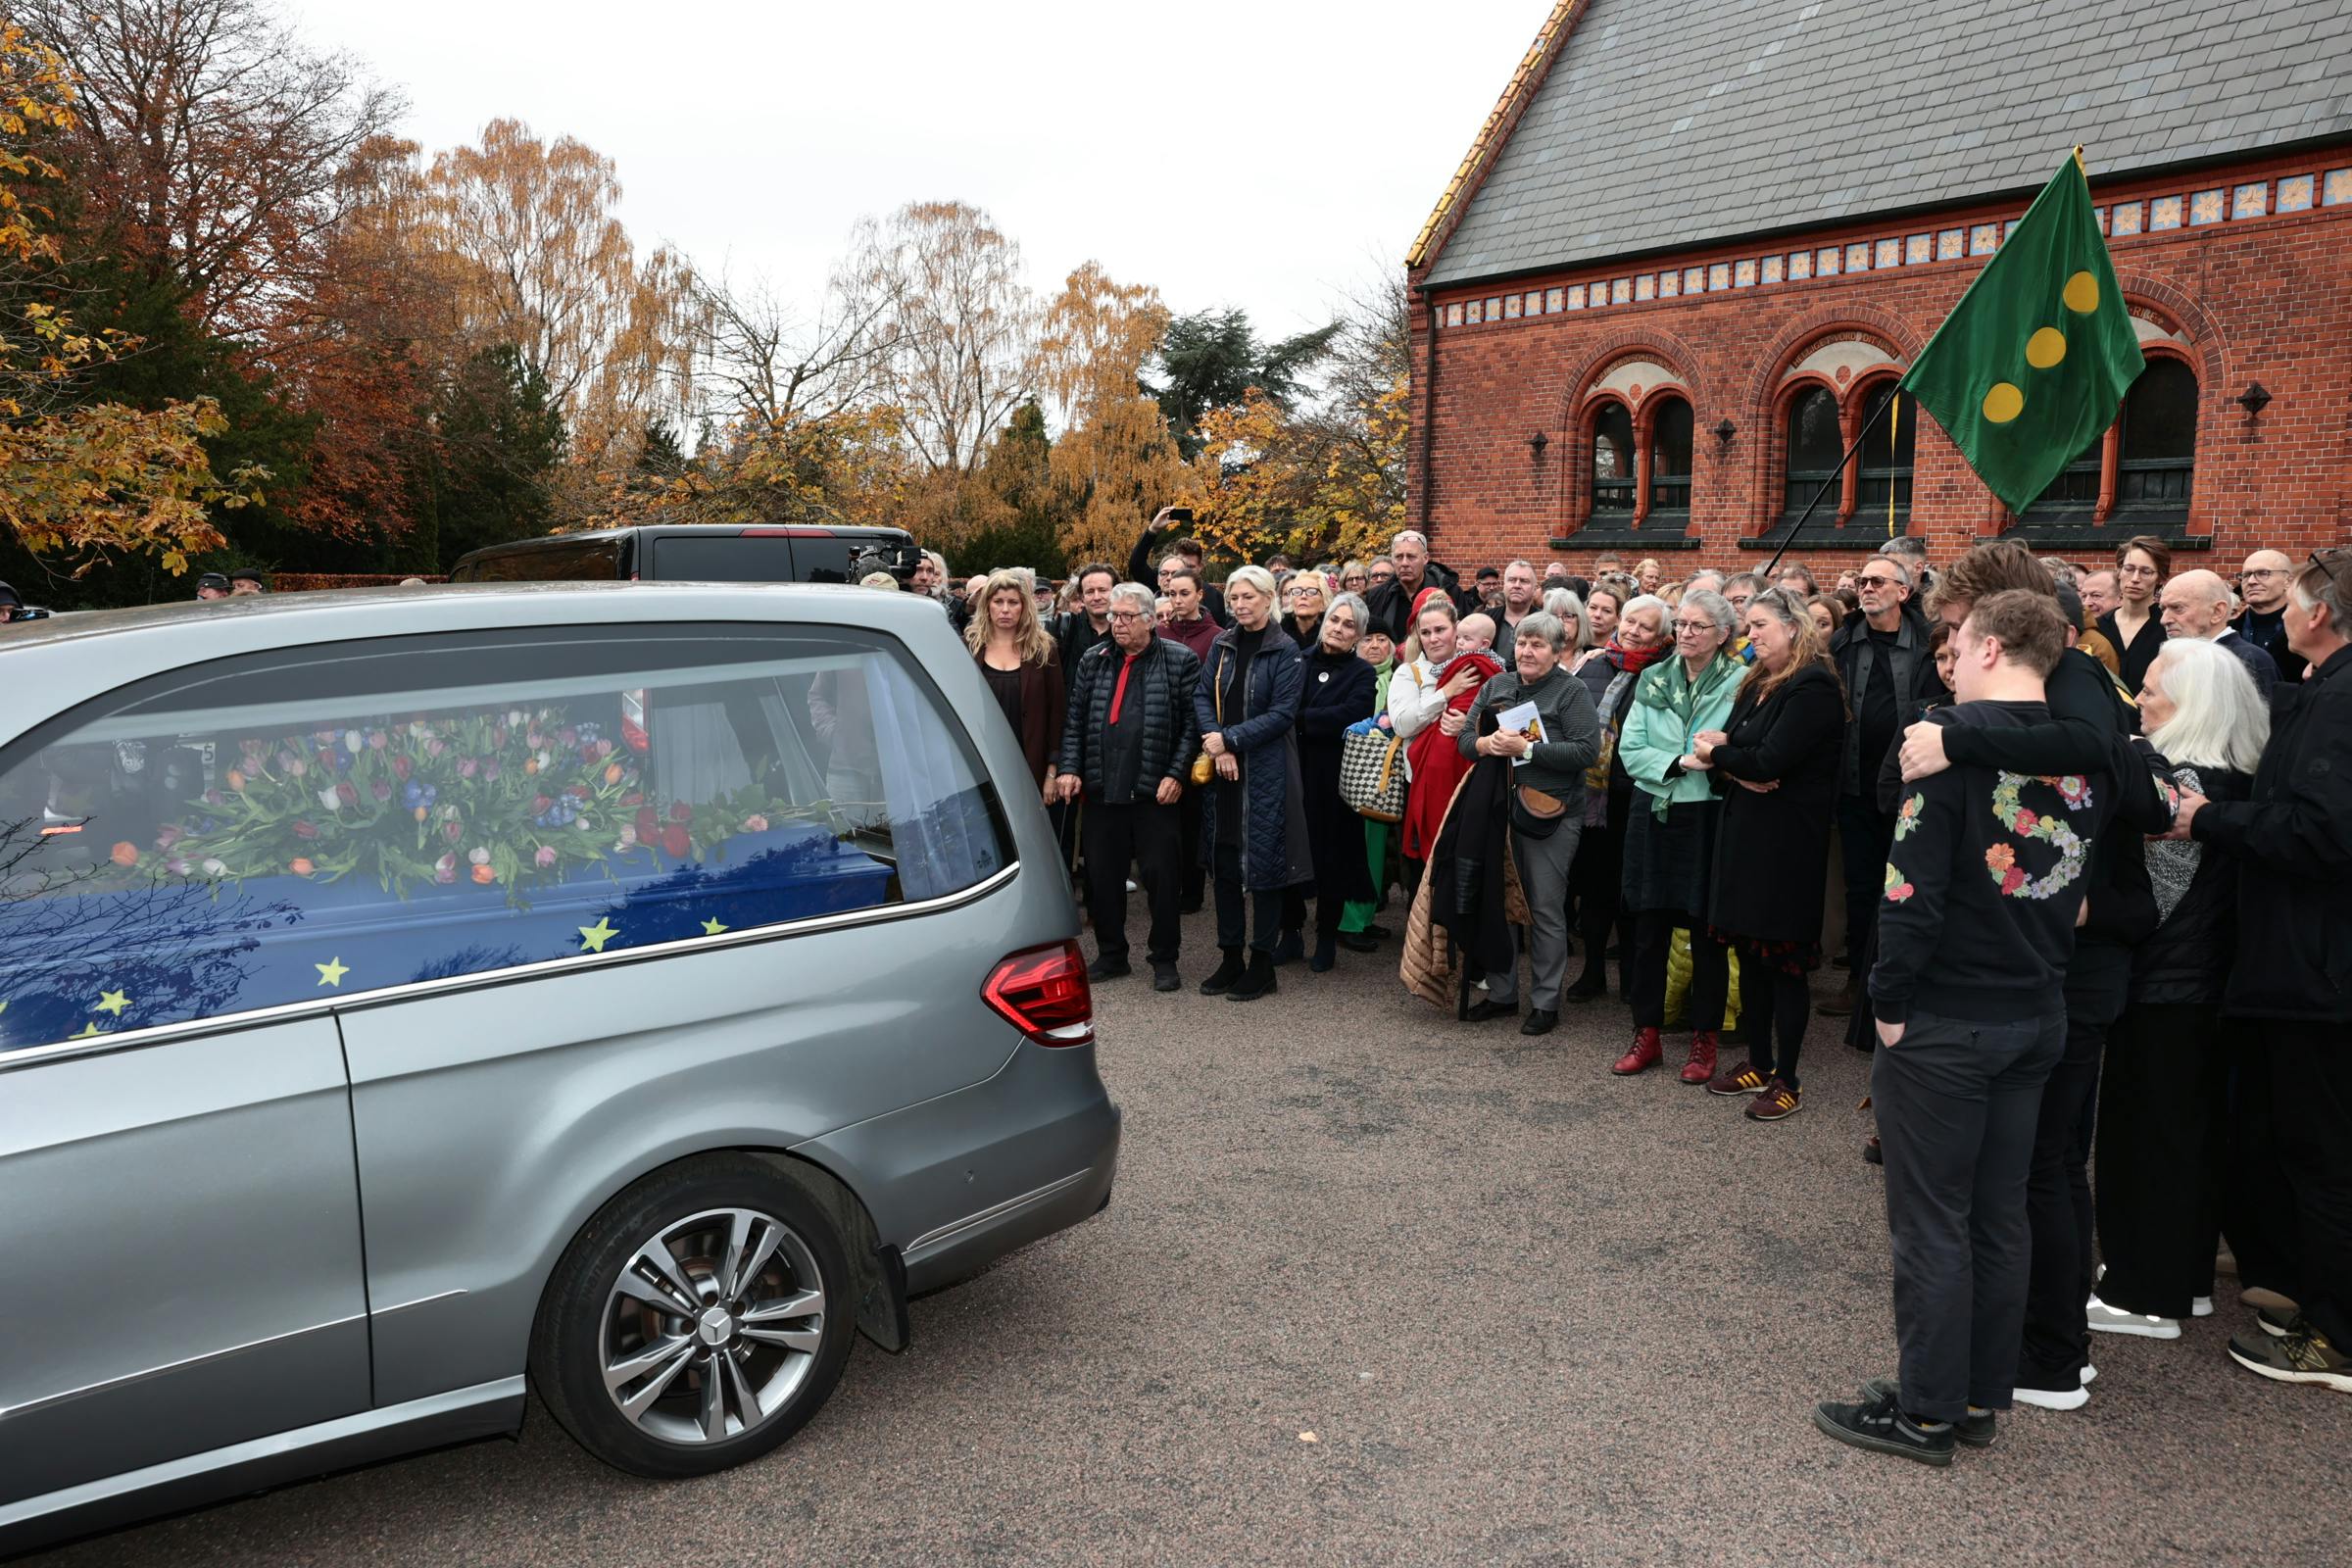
(1725, 430)
(1537, 443)
(2254, 398)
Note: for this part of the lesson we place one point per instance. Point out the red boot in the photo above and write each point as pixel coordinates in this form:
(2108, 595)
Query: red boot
(1701, 1065)
(1646, 1053)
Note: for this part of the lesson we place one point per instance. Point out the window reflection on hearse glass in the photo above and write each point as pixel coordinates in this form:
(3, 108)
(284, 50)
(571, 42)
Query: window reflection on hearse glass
(162, 867)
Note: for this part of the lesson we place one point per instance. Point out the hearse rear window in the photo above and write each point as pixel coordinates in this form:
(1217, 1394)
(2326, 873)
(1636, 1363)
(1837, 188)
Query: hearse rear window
(329, 822)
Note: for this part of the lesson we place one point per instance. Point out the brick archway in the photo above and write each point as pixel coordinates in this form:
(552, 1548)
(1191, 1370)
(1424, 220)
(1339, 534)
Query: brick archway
(1649, 343)
(2207, 349)
(1768, 392)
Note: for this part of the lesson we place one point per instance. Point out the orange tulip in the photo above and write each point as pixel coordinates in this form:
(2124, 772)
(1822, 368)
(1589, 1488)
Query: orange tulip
(531, 767)
(236, 780)
(612, 774)
(484, 875)
(300, 865)
(124, 854)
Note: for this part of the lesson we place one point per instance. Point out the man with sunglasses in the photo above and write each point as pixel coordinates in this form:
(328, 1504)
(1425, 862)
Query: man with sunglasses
(1882, 654)
(2262, 581)
(2292, 976)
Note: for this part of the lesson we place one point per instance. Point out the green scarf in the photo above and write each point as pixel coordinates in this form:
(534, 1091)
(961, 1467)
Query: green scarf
(1664, 688)
(1380, 673)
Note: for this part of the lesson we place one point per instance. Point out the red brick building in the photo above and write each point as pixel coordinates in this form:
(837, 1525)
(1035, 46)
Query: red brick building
(1694, 246)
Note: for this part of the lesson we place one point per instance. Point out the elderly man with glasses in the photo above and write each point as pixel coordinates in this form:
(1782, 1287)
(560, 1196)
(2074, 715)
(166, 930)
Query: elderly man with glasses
(1882, 654)
(1126, 750)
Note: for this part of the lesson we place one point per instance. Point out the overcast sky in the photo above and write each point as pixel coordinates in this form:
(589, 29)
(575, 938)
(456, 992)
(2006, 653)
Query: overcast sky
(1270, 154)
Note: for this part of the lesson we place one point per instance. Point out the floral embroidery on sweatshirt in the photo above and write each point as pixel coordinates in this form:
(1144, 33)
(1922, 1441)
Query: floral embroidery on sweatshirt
(2028, 825)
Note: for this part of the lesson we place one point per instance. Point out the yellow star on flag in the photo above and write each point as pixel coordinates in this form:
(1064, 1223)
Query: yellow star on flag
(87, 1030)
(711, 928)
(113, 1002)
(332, 971)
(594, 937)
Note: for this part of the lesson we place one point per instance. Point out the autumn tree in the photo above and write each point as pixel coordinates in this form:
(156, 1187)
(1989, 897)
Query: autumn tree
(211, 141)
(1116, 461)
(957, 327)
(1322, 473)
(82, 479)
(553, 273)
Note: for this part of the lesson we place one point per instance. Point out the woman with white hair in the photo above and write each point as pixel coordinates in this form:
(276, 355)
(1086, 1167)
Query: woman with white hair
(1252, 828)
(2162, 1131)
(1670, 833)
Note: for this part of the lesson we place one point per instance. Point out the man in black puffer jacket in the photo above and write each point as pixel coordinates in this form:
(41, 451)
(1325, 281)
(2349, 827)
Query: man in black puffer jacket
(1129, 745)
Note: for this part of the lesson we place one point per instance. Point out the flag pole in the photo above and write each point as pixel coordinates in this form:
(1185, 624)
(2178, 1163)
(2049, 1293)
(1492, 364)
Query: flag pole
(1834, 475)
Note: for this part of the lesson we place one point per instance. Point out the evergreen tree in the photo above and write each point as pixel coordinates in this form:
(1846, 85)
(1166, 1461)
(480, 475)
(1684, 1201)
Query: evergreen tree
(1212, 360)
(483, 478)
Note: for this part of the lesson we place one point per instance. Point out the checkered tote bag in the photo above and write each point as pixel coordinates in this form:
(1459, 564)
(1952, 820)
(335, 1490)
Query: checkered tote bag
(1372, 772)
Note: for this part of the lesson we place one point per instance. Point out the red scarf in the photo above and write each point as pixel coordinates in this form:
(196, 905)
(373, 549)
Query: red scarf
(1634, 659)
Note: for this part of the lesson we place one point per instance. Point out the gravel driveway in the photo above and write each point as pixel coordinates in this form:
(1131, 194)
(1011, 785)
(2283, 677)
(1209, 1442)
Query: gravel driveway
(1527, 1312)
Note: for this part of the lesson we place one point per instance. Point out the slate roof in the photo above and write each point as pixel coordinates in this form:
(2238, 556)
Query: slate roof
(1666, 123)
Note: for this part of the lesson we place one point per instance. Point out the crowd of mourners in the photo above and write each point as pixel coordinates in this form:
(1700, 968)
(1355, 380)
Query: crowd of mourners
(2095, 832)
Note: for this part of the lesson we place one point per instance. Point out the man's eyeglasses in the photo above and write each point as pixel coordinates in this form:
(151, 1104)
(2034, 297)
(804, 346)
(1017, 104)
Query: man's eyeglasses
(1878, 580)
(1129, 615)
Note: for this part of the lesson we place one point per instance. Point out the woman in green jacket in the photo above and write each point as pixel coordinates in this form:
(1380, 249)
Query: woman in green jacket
(1670, 831)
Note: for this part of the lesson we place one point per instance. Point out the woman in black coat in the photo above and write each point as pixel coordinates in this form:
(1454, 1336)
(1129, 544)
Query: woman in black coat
(1340, 690)
(1776, 762)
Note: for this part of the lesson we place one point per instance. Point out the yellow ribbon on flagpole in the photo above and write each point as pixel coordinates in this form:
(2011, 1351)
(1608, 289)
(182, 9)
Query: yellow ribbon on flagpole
(1894, 423)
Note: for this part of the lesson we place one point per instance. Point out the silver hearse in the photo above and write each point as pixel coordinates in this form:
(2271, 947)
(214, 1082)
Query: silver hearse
(637, 990)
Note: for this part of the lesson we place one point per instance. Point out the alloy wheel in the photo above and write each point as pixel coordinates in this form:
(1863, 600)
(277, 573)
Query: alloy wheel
(712, 1326)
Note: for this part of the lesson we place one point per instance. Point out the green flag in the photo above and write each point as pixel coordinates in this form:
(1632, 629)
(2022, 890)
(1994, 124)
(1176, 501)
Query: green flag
(2033, 361)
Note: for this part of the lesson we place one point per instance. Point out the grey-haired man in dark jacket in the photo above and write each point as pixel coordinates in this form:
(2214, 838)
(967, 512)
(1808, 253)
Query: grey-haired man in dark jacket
(1127, 748)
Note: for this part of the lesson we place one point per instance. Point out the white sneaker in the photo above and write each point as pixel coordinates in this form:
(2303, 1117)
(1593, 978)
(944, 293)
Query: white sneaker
(2090, 1372)
(2202, 1307)
(2043, 1399)
(2105, 1319)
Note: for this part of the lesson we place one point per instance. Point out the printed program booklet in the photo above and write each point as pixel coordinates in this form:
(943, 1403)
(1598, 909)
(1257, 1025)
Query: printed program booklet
(1521, 718)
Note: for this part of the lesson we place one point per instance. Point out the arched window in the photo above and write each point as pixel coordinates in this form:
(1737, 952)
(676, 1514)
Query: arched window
(2137, 472)
(1885, 456)
(1669, 458)
(1814, 447)
(2158, 441)
(1613, 463)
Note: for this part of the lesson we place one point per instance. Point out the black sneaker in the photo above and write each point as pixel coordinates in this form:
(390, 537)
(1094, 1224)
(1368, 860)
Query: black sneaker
(2274, 1323)
(1109, 969)
(1879, 1425)
(1539, 1021)
(1481, 1011)
(2302, 1355)
(1360, 941)
(1978, 1428)
(1165, 978)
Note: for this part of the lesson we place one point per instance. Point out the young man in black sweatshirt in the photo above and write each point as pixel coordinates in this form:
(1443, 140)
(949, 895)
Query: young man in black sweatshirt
(1982, 890)
(2086, 733)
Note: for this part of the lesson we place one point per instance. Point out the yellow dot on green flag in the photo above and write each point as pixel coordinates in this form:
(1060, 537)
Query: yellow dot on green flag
(2003, 403)
(2081, 294)
(332, 971)
(594, 937)
(2046, 347)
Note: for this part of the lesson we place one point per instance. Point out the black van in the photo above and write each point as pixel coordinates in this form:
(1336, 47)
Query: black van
(696, 553)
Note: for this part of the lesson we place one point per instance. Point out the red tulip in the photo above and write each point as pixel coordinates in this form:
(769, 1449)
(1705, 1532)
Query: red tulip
(674, 841)
(306, 830)
(680, 811)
